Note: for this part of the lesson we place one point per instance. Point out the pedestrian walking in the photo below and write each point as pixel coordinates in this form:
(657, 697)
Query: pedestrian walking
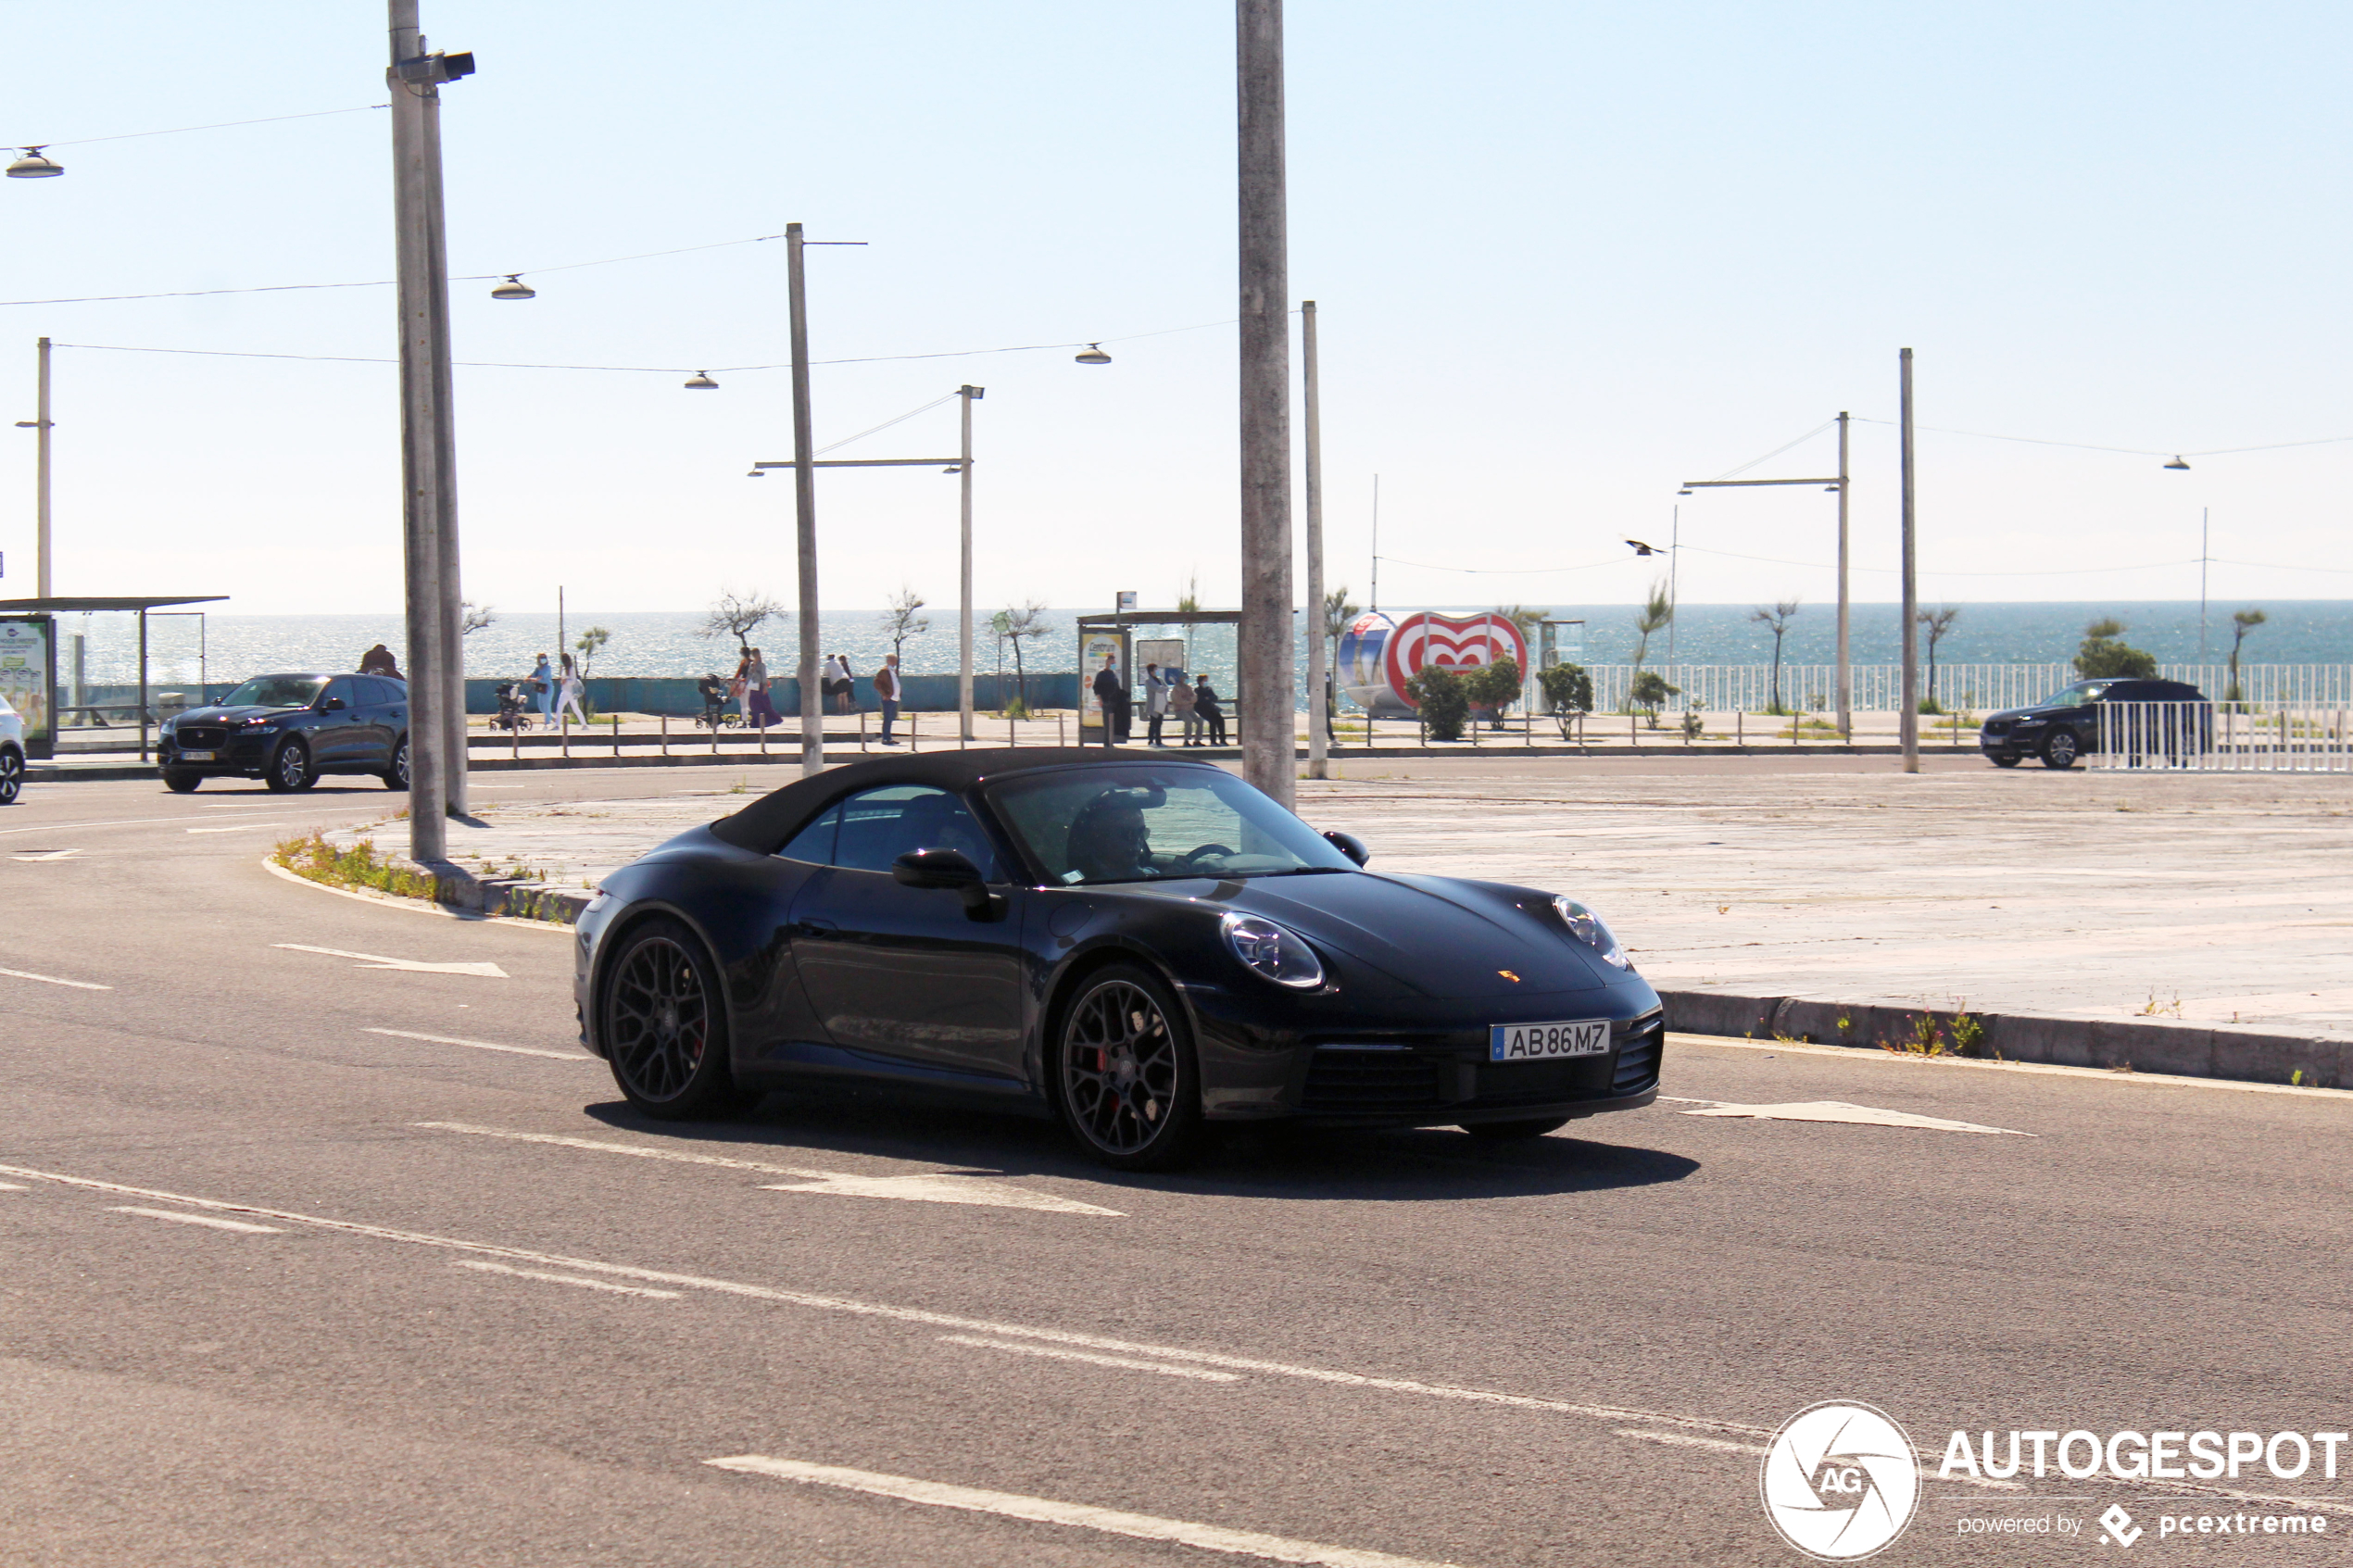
(378, 661)
(758, 707)
(1182, 703)
(848, 685)
(1112, 697)
(1155, 704)
(740, 687)
(568, 689)
(833, 682)
(1205, 704)
(887, 690)
(541, 685)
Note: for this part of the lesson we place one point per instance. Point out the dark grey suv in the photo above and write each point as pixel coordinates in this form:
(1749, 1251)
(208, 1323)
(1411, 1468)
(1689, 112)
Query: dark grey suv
(2066, 725)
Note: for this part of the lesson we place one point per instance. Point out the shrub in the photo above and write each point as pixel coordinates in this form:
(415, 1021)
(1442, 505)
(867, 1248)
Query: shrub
(2104, 655)
(1567, 688)
(1650, 693)
(1445, 704)
(1493, 686)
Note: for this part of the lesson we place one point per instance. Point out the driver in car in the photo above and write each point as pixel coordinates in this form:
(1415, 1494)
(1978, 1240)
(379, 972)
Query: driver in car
(1109, 843)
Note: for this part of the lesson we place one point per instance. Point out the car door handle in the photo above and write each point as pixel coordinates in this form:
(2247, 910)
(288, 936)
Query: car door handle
(816, 927)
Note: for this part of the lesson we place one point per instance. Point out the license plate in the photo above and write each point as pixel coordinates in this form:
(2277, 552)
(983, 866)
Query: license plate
(1542, 1042)
(196, 756)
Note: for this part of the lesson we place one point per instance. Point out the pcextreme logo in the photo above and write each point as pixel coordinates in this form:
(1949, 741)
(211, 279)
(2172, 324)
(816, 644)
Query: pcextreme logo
(1840, 1481)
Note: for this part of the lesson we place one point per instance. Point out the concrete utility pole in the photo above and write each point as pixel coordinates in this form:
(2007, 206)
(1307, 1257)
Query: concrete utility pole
(1845, 666)
(428, 437)
(1909, 720)
(41, 480)
(804, 478)
(1318, 701)
(964, 577)
(1262, 673)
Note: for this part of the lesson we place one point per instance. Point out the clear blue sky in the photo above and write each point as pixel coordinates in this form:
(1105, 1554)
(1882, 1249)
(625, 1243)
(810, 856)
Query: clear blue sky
(1567, 257)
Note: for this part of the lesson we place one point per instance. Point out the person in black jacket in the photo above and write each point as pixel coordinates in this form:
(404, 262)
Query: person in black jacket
(1114, 697)
(1205, 706)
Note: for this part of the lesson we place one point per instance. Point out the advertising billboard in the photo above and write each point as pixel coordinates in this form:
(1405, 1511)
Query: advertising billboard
(26, 666)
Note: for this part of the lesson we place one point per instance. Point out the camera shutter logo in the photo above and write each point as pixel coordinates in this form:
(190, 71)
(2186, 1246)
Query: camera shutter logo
(1840, 1481)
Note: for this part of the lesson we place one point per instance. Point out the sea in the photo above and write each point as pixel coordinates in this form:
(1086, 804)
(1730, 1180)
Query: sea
(230, 647)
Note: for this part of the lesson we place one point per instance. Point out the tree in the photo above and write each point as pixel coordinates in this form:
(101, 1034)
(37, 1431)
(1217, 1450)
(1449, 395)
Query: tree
(1568, 689)
(591, 643)
(1494, 686)
(1190, 600)
(2103, 656)
(1777, 617)
(1650, 693)
(1657, 613)
(738, 616)
(1938, 622)
(1017, 625)
(473, 617)
(2242, 623)
(1527, 620)
(1339, 614)
(1437, 693)
(901, 622)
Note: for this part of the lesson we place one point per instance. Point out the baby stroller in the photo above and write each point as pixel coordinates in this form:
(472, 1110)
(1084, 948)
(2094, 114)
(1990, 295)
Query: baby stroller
(513, 712)
(714, 713)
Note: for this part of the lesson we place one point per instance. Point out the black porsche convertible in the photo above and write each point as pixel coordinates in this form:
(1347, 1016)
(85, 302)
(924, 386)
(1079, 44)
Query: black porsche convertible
(1137, 947)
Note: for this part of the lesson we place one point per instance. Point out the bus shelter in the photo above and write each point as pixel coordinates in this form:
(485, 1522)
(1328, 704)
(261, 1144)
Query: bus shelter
(29, 663)
(1127, 638)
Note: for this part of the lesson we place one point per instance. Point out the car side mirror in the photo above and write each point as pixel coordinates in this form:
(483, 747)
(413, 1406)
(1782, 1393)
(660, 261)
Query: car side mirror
(1349, 844)
(950, 869)
(331, 705)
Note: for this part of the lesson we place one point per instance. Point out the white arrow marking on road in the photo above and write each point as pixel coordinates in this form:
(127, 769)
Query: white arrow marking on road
(930, 1187)
(51, 855)
(52, 980)
(1838, 1111)
(375, 960)
(1047, 1511)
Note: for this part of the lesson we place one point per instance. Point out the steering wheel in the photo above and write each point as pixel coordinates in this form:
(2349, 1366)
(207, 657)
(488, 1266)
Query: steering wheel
(1194, 856)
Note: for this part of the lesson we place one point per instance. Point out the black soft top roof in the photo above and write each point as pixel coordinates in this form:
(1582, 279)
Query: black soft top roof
(769, 821)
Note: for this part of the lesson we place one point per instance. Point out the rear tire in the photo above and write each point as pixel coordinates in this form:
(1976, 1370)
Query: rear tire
(662, 1020)
(1127, 1083)
(11, 774)
(182, 781)
(397, 776)
(2060, 751)
(290, 767)
(1513, 1131)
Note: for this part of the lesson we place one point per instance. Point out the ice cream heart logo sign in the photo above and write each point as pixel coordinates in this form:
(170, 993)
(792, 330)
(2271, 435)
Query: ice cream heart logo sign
(1455, 642)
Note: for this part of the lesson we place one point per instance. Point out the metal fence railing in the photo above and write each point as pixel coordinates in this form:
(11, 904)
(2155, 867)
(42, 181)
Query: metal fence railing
(1975, 688)
(2222, 737)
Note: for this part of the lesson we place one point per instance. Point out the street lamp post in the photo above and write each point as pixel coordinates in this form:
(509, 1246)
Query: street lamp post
(812, 711)
(1846, 668)
(1318, 702)
(1263, 668)
(965, 574)
(1908, 729)
(40, 426)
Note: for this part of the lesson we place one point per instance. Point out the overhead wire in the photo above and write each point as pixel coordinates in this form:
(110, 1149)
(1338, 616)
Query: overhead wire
(179, 130)
(2127, 451)
(1735, 473)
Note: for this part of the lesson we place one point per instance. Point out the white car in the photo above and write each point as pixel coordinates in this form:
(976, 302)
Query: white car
(11, 753)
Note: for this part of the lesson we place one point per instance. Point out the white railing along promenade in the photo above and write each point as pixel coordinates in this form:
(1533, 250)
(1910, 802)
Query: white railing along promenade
(1978, 688)
(2222, 737)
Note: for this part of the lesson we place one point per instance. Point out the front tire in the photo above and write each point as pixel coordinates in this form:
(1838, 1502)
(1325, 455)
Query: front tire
(662, 1020)
(2060, 751)
(2004, 761)
(290, 767)
(397, 776)
(1503, 1132)
(1125, 1079)
(11, 774)
(182, 781)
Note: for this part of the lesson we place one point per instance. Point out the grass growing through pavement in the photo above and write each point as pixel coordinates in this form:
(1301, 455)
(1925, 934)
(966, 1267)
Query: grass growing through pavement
(320, 862)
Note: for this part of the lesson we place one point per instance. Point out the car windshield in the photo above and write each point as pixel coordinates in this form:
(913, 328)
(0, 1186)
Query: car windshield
(1136, 823)
(2077, 694)
(277, 691)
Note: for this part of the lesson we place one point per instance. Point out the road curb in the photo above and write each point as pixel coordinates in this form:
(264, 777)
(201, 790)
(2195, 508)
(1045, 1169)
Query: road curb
(2117, 1044)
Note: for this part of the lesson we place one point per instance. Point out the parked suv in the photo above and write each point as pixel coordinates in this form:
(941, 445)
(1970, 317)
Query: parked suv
(286, 730)
(2066, 725)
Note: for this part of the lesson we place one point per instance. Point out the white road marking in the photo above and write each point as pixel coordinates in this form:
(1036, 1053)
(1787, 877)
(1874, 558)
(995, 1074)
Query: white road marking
(210, 1221)
(1685, 1439)
(1130, 1362)
(14, 1186)
(1838, 1111)
(482, 1045)
(372, 960)
(569, 1279)
(52, 980)
(1047, 1511)
(939, 1188)
(50, 855)
(232, 827)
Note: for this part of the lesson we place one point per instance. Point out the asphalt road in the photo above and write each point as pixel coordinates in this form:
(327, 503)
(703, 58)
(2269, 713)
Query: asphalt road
(295, 1270)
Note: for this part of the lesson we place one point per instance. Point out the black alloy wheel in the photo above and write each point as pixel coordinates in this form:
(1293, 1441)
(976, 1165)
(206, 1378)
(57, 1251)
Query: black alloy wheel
(397, 776)
(1535, 1127)
(11, 774)
(2062, 749)
(1127, 1080)
(664, 1027)
(290, 767)
(182, 781)
(2003, 761)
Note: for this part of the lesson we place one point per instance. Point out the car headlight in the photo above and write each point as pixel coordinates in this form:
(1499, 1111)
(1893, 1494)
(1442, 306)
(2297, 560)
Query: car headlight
(1268, 951)
(1587, 927)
